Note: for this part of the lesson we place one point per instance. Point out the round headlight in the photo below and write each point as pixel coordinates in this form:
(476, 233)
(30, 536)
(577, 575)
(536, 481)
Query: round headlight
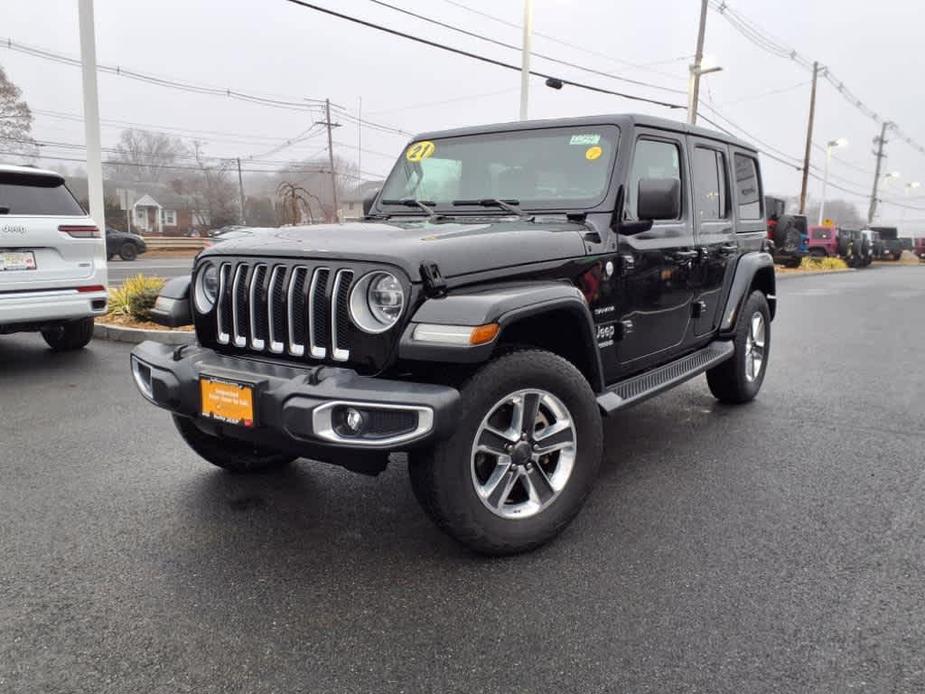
(376, 302)
(206, 288)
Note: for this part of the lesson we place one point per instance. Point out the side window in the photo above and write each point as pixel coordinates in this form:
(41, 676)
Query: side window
(748, 188)
(709, 172)
(653, 159)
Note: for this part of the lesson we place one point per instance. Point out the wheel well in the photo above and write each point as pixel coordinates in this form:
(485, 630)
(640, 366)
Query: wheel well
(560, 331)
(764, 282)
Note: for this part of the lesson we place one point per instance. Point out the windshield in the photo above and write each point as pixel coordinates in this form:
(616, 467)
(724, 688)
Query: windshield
(553, 168)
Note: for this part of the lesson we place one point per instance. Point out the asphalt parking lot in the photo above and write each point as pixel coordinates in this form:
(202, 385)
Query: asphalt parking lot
(775, 547)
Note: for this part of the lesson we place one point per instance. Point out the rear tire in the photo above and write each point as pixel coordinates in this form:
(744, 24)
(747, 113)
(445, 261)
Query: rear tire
(491, 485)
(793, 263)
(234, 456)
(738, 379)
(128, 251)
(69, 336)
(818, 253)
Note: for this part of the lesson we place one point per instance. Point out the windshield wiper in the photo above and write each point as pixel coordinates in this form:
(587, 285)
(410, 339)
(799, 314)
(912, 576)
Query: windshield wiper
(426, 205)
(511, 206)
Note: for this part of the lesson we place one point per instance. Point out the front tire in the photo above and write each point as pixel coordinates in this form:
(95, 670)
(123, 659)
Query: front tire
(738, 379)
(234, 456)
(69, 336)
(522, 460)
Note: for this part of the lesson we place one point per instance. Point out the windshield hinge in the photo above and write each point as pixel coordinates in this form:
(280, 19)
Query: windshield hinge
(434, 284)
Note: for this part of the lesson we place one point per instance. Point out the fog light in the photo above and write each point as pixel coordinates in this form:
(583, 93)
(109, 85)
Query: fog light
(349, 421)
(354, 420)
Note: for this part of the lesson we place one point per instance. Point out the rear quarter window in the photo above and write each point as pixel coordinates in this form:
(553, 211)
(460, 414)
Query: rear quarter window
(26, 194)
(748, 188)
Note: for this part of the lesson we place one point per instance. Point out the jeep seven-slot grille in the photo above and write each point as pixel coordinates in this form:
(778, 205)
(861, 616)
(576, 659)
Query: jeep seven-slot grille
(295, 310)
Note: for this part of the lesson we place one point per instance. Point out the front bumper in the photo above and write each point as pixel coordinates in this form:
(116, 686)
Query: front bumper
(293, 405)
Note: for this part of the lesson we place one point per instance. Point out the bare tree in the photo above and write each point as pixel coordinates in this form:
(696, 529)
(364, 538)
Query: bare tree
(314, 176)
(16, 139)
(212, 190)
(145, 156)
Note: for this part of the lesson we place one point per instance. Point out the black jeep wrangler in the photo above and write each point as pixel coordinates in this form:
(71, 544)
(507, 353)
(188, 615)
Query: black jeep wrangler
(510, 286)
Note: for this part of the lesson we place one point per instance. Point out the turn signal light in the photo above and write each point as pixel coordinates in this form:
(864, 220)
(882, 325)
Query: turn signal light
(80, 231)
(483, 333)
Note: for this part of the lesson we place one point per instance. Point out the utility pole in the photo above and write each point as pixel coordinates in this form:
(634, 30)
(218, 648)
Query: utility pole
(360, 137)
(91, 113)
(525, 59)
(693, 90)
(241, 192)
(809, 138)
(329, 125)
(880, 142)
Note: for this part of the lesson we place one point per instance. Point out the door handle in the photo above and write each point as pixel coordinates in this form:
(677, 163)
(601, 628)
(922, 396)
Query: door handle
(684, 257)
(728, 248)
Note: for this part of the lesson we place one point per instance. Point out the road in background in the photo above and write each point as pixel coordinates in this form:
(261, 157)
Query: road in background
(773, 547)
(120, 270)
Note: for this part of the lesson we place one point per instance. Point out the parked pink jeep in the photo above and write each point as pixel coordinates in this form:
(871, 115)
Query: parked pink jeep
(823, 242)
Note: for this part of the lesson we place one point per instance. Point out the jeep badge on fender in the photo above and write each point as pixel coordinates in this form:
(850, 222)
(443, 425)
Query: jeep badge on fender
(510, 286)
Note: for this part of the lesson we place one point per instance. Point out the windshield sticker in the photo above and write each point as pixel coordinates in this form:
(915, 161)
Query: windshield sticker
(585, 140)
(593, 153)
(420, 150)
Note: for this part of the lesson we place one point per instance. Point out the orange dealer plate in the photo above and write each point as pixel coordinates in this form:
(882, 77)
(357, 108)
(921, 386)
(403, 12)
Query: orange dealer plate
(227, 401)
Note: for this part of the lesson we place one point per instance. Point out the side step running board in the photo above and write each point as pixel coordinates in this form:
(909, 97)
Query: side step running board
(638, 388)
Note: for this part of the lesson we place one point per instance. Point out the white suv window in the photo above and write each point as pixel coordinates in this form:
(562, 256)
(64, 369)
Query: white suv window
(29, 194)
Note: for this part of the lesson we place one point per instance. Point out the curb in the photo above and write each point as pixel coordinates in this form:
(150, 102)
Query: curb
(791, 275)
(136, 335)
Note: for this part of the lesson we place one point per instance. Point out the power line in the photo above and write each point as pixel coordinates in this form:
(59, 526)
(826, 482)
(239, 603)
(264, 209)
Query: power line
(767, 42)
(535, 54)
(476, 56)
(577, 47)
(287, 103)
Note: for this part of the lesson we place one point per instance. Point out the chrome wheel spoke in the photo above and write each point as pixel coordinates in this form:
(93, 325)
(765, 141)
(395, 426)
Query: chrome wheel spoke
(554, 438)
(531, 408)
(493, 441)
(539, 488)
(503, 483)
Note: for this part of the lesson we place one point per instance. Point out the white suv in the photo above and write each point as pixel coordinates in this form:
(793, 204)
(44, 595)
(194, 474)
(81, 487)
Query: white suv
(52, 259)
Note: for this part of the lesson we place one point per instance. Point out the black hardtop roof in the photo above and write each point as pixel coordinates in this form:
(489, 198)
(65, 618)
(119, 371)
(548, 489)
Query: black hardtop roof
(618, 119)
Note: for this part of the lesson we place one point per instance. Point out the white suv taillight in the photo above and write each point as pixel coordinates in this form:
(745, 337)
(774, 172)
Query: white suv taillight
(80, 231)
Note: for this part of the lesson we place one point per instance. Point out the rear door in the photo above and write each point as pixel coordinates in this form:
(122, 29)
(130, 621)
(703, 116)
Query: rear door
(46, 238)
(714, 231)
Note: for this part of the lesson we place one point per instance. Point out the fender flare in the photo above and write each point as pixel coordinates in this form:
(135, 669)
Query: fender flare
(753, 269)
(507, 305)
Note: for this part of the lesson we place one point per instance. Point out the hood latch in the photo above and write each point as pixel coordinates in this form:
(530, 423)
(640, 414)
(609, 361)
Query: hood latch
(434, 284)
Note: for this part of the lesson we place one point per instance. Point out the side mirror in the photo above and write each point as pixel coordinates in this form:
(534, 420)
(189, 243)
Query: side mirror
(658, 198)
(369, 200)
(172, 307)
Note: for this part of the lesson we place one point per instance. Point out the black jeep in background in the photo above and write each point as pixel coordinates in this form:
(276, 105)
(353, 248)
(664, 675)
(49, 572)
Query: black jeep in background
(891, 246)
(510, 287)
(126, 245)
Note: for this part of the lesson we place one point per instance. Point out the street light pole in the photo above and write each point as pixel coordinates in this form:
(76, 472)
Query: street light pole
(525, 59)
(696, 70)
(830, 145)
(91, 113)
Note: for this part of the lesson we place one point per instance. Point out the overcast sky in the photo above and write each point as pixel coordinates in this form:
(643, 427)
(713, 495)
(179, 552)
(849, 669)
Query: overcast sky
(276, 48)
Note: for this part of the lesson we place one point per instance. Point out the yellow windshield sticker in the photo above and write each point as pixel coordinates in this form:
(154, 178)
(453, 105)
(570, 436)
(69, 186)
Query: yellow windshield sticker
(420, 150)
(593, 153)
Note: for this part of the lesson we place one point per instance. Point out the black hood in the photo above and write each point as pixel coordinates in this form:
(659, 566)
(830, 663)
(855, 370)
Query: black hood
(457, 248)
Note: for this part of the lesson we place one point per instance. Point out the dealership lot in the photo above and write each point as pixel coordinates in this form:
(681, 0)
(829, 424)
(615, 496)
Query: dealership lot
(774, 547)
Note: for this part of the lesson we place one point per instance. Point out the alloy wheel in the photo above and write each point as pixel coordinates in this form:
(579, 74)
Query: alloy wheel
(523, 453)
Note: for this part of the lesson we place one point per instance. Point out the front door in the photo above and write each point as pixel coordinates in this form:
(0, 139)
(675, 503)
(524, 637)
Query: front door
(652, 288)
(714, 232)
